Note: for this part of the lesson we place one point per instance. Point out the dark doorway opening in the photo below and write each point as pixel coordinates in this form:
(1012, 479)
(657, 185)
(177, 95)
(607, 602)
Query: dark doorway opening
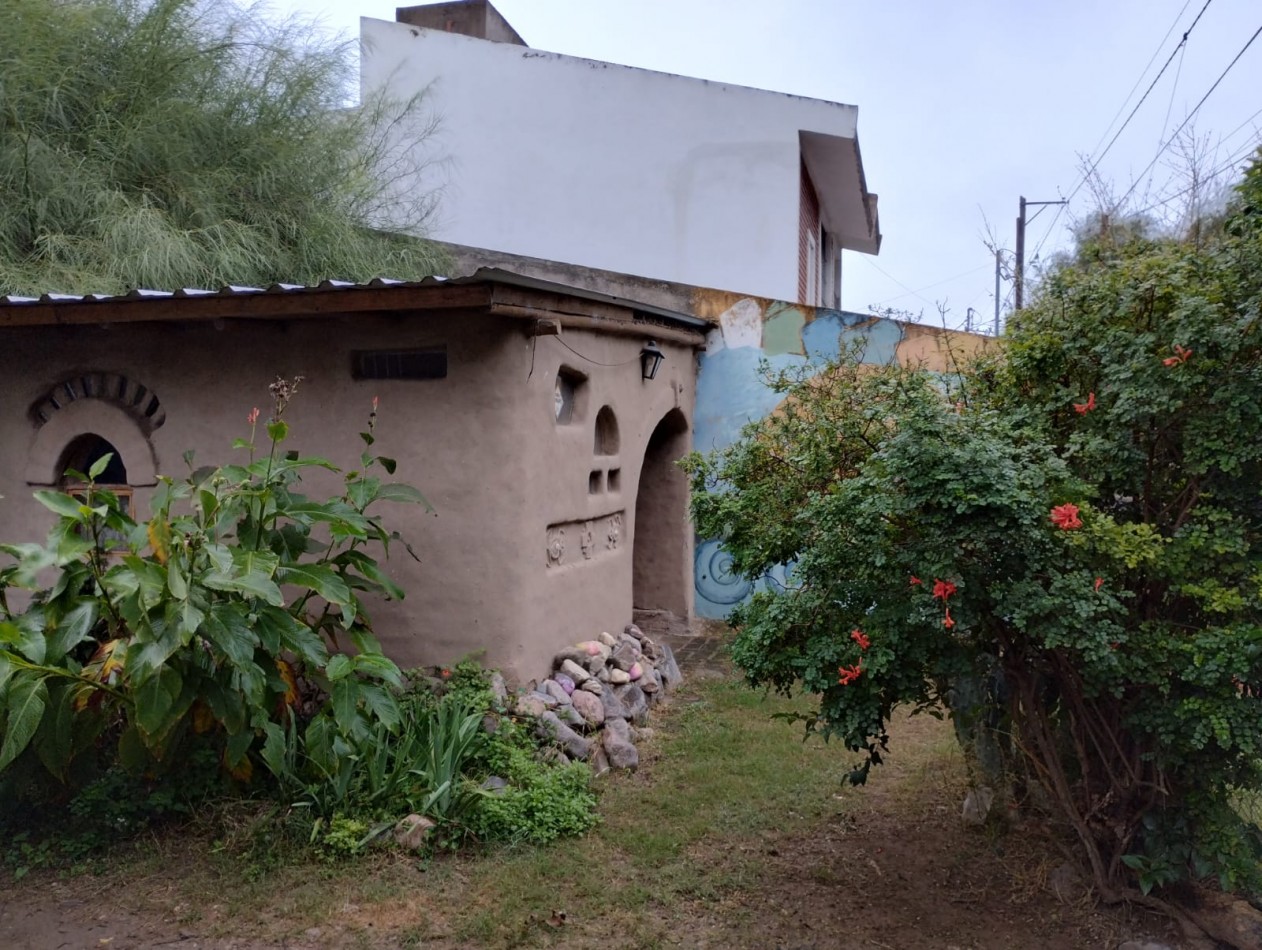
(661, 568)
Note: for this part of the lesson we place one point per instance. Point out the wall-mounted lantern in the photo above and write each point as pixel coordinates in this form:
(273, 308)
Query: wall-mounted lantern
(650, 360)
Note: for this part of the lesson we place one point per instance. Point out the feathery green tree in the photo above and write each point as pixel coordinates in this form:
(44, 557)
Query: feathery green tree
(169, 143)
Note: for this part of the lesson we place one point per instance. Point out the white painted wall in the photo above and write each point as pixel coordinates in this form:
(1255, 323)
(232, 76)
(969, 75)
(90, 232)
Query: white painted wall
(606, 166)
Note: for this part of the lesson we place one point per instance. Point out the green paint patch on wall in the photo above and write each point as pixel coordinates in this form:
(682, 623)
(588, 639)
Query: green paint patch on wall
(782, 330)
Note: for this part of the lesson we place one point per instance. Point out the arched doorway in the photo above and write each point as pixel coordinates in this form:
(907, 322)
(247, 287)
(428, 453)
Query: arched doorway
(661, 566)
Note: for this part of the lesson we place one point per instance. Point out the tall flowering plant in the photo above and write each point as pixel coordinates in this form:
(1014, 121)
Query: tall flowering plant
(192, 628)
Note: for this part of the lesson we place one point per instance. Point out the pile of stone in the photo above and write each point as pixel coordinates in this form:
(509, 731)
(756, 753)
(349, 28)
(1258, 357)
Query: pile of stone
(595, 704)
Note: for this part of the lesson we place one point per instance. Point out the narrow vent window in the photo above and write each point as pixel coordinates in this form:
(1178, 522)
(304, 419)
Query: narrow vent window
(428, 363)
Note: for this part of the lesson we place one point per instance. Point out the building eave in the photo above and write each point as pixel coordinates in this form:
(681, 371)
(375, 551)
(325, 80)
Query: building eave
(848, 210)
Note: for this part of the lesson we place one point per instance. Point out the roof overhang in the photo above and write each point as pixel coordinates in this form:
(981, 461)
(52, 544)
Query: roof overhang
(847, 208)
(496, 291)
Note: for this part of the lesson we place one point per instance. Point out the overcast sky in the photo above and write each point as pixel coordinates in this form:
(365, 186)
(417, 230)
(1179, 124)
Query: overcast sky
(963, 106)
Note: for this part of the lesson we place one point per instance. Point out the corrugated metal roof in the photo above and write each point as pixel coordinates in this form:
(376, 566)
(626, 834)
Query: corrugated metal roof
(492, 275)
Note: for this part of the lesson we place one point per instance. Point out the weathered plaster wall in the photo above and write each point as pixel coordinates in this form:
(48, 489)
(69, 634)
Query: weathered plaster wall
(482, 444)
(606, 166)
(731, 391)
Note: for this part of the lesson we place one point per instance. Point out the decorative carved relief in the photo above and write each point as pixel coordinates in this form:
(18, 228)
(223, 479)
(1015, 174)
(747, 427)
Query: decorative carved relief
(556, 545)
(597, 537)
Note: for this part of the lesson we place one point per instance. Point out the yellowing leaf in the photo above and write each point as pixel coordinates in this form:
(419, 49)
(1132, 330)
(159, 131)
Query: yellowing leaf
(160, 539)
(203, 718)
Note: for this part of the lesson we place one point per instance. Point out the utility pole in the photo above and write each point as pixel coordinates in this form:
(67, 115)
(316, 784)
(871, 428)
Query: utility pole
(998, 271)
(1019, 274)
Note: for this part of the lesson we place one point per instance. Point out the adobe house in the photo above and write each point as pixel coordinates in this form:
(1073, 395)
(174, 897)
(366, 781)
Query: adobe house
(537, 418)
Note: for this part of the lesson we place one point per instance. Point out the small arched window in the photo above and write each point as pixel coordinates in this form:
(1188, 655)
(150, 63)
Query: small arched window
(81, 454)
(606, 432)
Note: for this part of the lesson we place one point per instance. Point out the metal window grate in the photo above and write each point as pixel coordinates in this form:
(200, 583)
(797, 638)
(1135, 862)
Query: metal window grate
(427, 363)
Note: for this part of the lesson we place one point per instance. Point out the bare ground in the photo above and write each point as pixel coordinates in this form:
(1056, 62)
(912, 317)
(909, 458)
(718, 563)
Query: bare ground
(891, 866)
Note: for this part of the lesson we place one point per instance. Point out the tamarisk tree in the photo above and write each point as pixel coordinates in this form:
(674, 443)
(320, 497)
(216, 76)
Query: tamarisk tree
(168, 143)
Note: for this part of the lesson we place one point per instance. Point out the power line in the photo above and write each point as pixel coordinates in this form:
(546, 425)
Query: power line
(936, 283)
(914, 293)
(1152, 59)
(1224, 167)
(1095, 163)
(1190, 115)
(1182, 44)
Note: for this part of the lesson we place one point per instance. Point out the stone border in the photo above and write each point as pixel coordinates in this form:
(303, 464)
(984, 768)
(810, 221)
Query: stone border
(597, 692)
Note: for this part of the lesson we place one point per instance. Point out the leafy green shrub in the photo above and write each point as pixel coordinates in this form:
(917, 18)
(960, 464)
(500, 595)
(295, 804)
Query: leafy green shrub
(541, 803)
(190, 629)
(1073, 520)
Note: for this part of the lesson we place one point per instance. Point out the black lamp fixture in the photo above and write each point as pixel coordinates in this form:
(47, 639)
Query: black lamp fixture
(650, 360)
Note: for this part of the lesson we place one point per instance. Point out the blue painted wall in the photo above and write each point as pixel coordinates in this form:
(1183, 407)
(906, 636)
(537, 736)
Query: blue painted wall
(731, 393)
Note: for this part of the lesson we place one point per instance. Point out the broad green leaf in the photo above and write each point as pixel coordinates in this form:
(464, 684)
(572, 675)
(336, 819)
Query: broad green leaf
(227, 629)
(54, 740)
(273, 751)
(133, 754)
(252, 584)
(279, 630)
(319, 578)
(177, 583)
(73, 628)
(150, 649)
(278, 430)
(346, 704)
(401, 492)
(340, 666)
(237, 747)
(363, 491)
(6, 670)
(60, 503)
(26, 635)
(99, 466)
(374, 664)
(155, 699)
(27, 697)
(371, 571)
(383, 705)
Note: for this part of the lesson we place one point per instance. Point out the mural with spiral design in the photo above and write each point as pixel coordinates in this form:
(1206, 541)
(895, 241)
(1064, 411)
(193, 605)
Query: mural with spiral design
(731, 393)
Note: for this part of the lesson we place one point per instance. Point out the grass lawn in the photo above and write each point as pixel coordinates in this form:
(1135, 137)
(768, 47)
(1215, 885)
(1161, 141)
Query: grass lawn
(734, 833)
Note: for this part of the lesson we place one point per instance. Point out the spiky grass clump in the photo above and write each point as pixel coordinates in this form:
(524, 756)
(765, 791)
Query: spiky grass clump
(168, 143)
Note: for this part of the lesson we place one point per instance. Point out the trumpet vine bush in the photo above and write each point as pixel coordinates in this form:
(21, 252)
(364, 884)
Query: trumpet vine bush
(1062, 543)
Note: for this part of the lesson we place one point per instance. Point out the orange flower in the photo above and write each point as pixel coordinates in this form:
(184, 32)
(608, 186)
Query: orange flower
(1099, 582)
(915, 580)
(445, 674)
(849, 673)
(948, 622)
(253, 416)
(942, 589)
(374, 403)
(1082, 408)
(1181, 355)
(1066, 517)
(859, 637)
